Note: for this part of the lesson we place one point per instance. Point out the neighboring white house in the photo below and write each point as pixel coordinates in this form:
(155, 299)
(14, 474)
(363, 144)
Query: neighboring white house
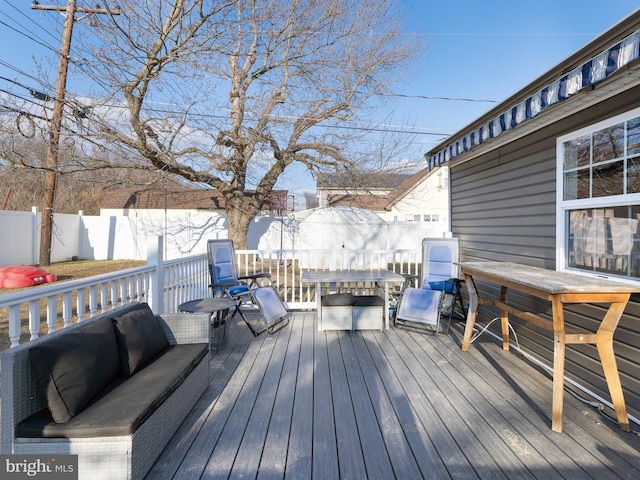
(421, 197)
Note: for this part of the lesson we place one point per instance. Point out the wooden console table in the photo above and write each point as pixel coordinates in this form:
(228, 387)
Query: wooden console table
(558, 288)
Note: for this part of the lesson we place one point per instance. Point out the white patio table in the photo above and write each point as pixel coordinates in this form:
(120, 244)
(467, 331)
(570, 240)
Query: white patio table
(350, 276)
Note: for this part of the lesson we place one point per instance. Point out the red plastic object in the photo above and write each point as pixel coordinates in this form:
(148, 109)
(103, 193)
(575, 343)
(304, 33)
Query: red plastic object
(24, 276)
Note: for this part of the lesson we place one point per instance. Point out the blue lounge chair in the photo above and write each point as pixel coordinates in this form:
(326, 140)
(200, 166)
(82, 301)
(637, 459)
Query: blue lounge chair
(225, 281)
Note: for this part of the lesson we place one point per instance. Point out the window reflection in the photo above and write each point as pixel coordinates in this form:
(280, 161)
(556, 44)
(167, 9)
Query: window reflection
(577, 152)
(605, 240)
(608, 180)
(633, 175)
(608, 144)
(599, 166)
(633, 137)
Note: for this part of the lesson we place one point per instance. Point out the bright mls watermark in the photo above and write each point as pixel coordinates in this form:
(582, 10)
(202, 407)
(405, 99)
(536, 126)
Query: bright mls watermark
(53, 467)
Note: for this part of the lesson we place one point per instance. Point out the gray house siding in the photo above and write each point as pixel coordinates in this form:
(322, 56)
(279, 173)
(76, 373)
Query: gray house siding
(504, 207)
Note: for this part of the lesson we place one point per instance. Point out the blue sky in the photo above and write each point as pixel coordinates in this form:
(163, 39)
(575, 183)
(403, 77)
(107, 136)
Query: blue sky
(476, 50)
(490, 50)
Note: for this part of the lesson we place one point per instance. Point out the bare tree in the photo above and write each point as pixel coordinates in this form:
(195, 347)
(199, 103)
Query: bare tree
(84, 179)
(231, 93)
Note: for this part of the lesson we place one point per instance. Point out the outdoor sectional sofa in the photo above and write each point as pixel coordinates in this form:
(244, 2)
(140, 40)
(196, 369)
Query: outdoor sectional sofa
(112, 389)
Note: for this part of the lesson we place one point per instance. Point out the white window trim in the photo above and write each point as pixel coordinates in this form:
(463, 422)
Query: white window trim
(563, 205)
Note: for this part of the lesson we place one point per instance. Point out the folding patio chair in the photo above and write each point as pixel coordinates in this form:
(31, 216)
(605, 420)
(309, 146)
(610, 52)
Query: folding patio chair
(225, 281)
(273, 309)
(439, 274)
(419, 309)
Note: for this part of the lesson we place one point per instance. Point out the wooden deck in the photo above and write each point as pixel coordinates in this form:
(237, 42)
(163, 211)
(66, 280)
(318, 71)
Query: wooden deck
(304, 404)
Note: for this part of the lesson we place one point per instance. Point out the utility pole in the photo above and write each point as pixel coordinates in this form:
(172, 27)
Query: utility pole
(51, 167)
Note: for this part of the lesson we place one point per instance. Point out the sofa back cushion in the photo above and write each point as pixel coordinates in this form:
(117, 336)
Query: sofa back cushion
(74, 367)
(140, 338)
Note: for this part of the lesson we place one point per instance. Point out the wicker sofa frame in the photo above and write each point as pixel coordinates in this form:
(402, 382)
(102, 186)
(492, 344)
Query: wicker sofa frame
(116, 457)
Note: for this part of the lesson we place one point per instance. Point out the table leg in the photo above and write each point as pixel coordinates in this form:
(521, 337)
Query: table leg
(504, 319)
(472, 311)
(215, 325)
(604, 343)
(319, 305)
(386, 305)
(558, 365)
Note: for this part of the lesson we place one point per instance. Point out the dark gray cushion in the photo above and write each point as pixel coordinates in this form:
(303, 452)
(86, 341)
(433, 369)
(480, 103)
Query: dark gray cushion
(140, 338)
(369, 301)
(127, 402)
(74, 368)
(338, 300)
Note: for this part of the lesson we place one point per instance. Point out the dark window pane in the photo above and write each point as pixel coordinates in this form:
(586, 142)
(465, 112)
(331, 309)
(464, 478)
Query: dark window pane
(633, 175)
(633, 137)
(576, 184)
(608, 180)
(577, 152)
(608, 144)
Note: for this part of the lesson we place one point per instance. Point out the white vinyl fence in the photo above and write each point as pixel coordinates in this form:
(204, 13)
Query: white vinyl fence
(186, 234)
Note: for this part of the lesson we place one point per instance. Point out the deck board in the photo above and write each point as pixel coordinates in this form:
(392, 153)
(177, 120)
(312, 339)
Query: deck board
(529, 437)
(418, 421)
(480, 415)
(600, 452)
(324, 446)
(299, 460)
(274, 456)
(392, 404)
(405, 446)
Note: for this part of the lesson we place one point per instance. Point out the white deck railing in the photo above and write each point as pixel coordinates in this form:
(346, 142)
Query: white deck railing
(167, 284)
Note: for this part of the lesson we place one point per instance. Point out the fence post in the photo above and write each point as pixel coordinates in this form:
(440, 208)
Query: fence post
(156, 277)
(35, 237)
(80, 234)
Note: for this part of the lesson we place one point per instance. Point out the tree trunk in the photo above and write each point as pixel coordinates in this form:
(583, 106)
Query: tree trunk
(239, 218)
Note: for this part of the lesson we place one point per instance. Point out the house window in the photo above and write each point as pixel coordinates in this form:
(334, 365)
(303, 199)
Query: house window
(435, 217)
(599, 198)
(427, 218)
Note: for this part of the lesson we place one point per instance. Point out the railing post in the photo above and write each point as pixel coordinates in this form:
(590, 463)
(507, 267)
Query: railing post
(333, 255)
(156, 277)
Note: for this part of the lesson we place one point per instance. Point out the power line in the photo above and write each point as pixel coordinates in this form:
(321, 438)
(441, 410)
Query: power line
(426, 97)
(468, 34)
(39, 42)
(48, 32)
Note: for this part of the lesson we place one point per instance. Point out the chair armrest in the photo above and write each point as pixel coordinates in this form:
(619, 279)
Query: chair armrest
(254, 283)
(185, 327)
(224, 285)
(256, 275)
